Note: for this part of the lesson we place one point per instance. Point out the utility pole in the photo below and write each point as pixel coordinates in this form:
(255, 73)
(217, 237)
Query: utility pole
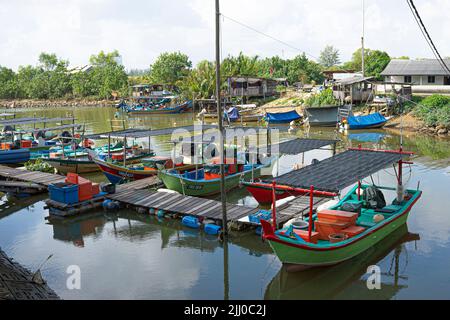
(362, 41)
(223, 196)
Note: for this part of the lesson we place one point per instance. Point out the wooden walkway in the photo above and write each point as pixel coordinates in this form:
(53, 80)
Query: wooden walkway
(41, 178)
(151, 182)
(16, 283)
(180, 204)
(299, 207)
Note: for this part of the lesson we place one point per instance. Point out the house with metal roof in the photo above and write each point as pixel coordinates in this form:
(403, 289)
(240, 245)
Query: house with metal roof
(427, 72)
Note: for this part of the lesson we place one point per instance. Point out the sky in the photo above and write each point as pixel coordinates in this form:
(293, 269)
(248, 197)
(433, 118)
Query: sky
(142, 29)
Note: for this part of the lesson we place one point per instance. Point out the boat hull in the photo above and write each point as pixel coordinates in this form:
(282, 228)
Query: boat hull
(204, 188)
(323, 116)
(119, 174)
(73, 166)
(175, 110)
(264, 195)
(304, 256)
(14, 156)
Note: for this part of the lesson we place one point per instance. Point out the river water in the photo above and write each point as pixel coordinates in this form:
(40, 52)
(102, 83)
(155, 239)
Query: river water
(130, 256)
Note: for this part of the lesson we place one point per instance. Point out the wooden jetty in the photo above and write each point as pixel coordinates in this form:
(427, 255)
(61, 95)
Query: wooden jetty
(34, 177)
(16, 283)
(179, 204)
(19, 187)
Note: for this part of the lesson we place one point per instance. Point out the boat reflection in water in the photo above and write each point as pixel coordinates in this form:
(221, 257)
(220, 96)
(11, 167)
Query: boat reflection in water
(348, 279)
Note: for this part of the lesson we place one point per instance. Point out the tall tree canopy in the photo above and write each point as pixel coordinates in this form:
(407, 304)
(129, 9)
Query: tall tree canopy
(329, 57)
(169, 68)
(375, 62)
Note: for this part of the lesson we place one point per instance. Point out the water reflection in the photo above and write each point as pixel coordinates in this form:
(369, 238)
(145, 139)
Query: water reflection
(346, 280)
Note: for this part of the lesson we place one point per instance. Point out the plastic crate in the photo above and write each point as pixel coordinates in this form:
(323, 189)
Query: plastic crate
(260, 215)
(64, 193)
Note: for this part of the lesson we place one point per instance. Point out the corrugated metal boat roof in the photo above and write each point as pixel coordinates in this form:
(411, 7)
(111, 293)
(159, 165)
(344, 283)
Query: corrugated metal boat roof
(340, 171)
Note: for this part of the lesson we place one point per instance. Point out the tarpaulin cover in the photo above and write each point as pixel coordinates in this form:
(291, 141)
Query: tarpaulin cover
(285, 117)
(362, 122)
(233, 114)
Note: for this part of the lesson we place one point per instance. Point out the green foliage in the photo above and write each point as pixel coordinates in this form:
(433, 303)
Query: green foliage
(375, 62)
(324, 98)
(169, 68)
(39, 165)
(241, 65)
(434, 110)
(329, 57)
(9, 86)
(200, 82)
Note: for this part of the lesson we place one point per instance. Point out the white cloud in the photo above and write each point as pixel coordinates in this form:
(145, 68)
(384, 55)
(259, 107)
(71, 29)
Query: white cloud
(141, 30)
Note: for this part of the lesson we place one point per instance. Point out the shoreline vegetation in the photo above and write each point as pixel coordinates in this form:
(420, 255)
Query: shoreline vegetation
(12, 104)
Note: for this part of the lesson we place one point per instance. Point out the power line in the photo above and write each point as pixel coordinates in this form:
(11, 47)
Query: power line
(427, 36)
(268, 36)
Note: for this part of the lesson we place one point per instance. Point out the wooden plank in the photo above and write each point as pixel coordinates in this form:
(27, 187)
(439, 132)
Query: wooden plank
(178, 203)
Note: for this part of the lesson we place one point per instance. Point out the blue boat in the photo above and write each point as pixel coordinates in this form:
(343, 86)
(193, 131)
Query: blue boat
(371, 121)
(285, 117)
(16, 156)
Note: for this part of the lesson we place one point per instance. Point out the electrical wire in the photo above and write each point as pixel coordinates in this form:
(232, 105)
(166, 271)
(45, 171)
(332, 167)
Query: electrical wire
(427, 36)
(269, 36)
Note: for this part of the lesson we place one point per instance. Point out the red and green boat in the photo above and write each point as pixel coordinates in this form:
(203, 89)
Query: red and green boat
(360, 220)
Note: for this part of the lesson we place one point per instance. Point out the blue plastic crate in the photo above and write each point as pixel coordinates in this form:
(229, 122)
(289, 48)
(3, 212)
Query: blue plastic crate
(260, 215)
(64, 192)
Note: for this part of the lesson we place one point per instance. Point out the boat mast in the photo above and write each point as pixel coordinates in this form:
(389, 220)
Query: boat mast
(363, 64)
(223, 197)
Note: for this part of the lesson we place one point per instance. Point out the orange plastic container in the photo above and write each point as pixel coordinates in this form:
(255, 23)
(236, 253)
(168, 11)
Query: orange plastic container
(72, 178)
(26, 144)
(353, 231)
(95, 189)
(325, 228)
(6, 146)
(305, 235)
(84, 191)
(337, 216)
(117, 157)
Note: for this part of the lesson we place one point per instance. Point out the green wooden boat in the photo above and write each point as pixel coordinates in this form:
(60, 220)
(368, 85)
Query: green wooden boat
(296, 251)
(206, 181)
(356, 223)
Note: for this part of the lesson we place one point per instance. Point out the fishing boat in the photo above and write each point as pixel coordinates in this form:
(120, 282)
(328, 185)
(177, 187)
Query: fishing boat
(18, 145)
(206, 181)
(284, 117)
(118, 173)
(82, 161)
(361, 219)
(160, 109)
(371, 121)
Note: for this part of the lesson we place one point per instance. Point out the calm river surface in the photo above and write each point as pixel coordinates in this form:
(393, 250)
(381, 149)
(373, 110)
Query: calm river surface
(131, 256)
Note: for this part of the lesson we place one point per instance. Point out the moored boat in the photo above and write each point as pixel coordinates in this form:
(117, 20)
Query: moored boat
(360, 220)
(283, 117)
(160, 109)
(206, 181)
(326, 116)
(371, 121)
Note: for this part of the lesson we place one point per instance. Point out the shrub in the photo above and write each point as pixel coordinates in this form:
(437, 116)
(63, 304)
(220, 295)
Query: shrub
(434, 110)
(324, 98)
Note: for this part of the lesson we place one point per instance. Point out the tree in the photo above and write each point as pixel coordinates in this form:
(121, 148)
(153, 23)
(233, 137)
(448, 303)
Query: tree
(107, 76)
(329, 57)
(375, 62)
(169, 68)
(241, 65)
(8, 83)
(201, 82)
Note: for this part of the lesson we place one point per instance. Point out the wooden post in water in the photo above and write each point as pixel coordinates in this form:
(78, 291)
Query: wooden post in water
(311, 205)
(223, 196)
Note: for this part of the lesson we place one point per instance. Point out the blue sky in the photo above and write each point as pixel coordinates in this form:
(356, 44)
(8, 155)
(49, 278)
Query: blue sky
(142, 29)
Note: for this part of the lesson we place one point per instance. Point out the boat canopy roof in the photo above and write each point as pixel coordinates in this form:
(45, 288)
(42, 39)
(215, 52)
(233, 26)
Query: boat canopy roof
(19, 121)
(340, 171)
(297, 146)
(144, 133)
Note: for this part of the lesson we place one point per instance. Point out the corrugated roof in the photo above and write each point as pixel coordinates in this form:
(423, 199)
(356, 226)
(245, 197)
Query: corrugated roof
(353, 80)
(338, 172)
(429, 67)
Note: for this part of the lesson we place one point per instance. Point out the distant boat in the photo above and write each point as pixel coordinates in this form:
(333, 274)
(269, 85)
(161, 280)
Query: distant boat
(371, 121)
(160, 109)
(283, 117)
(326, 116)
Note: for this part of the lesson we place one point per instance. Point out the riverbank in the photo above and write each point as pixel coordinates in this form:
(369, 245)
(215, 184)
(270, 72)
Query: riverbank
(33, 103)
(16, 283)
(413, 124)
